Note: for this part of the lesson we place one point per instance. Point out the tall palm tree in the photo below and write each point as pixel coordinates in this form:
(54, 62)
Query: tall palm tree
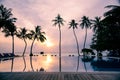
(85, 22)
(22, 34)
(37, 34)
(7, 23)
(73, 25)
(59, 21)
(10, 31)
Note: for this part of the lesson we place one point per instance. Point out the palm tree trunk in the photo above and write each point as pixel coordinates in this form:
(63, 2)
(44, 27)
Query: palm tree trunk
(60, 49)
(13, 45)
(85, 38)
(32, 48)
(76, 42)
(25, 47)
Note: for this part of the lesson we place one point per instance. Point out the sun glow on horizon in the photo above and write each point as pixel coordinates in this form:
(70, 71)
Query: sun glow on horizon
(49, 43)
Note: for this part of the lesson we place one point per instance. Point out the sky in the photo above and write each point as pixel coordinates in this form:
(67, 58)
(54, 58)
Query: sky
(30, 13)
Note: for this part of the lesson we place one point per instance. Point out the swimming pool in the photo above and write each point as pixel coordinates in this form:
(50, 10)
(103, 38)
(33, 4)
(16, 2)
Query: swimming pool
(50, 63)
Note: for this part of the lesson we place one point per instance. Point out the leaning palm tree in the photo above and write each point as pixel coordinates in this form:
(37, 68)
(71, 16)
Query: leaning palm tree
(10, 31)
(85, 22)
(59, 21)
(22, 34)
(37, 34)
(73, 25)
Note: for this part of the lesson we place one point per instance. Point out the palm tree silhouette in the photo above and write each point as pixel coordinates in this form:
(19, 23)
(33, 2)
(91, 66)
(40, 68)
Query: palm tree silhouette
(73, 25)
(59, 21)
(37, 34)
(6, 17)
(96, 24)
(22, 34)
(85, 23)
(10, 31)
(7, 23)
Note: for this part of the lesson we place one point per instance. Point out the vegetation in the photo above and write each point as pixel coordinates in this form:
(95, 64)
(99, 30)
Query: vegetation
(37, 34)
(73, 25)
(106, 30)
(85, 23)
(7, 23)
(22, 34)
(59, 21)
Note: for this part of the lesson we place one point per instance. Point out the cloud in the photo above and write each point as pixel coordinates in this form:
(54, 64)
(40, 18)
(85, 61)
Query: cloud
(31, 13)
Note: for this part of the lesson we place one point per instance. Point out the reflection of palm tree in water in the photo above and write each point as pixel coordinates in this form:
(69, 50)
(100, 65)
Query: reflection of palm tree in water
(31, 63)
(24, 63)
(12, 64)
(85, 64)
(78, 64)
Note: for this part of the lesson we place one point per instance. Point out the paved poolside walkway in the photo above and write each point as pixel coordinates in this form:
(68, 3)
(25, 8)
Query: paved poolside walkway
(59, 76)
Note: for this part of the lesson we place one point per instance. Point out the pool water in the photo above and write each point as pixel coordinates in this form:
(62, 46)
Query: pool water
(50, 63)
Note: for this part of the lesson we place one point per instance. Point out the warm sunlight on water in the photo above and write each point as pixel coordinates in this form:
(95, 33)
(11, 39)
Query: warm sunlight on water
(50, 63)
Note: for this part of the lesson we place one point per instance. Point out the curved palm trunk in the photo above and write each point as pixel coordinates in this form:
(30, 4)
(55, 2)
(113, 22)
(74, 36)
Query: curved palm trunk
(85, 38)
(24, 63)
(13, 45)
(25, 47)
(76, 42)
(60, 49)
(31, 54)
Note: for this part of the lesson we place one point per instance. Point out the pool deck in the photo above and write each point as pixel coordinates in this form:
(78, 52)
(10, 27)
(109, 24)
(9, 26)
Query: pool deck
(59, 76)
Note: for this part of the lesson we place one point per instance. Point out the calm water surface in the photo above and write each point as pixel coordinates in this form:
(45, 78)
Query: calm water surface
(50, 63)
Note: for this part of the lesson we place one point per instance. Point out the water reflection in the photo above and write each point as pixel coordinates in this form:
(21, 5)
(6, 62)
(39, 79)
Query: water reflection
(51, 64)
(31, 63)
(78, 61)
(12, 63)
(106, 64)
(24, 63)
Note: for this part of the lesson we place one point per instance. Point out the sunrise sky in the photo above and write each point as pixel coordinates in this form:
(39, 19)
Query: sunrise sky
(30, 13)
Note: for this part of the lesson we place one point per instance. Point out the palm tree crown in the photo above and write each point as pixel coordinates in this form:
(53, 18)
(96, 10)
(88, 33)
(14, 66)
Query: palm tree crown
(73, 24)
(85, 22)
(6, 17)
(96, 24)
(58, 21)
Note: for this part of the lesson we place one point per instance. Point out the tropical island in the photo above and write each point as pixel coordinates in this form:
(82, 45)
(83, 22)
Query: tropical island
(105, 40)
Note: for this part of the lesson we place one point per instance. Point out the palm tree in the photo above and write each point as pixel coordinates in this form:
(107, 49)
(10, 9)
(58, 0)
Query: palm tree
(37, 34)
(6, 17)
(73, 25)
(96, 24)
(7, 23)
(59, 21)
(22, 34)
(85, 23)
(10, 31)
